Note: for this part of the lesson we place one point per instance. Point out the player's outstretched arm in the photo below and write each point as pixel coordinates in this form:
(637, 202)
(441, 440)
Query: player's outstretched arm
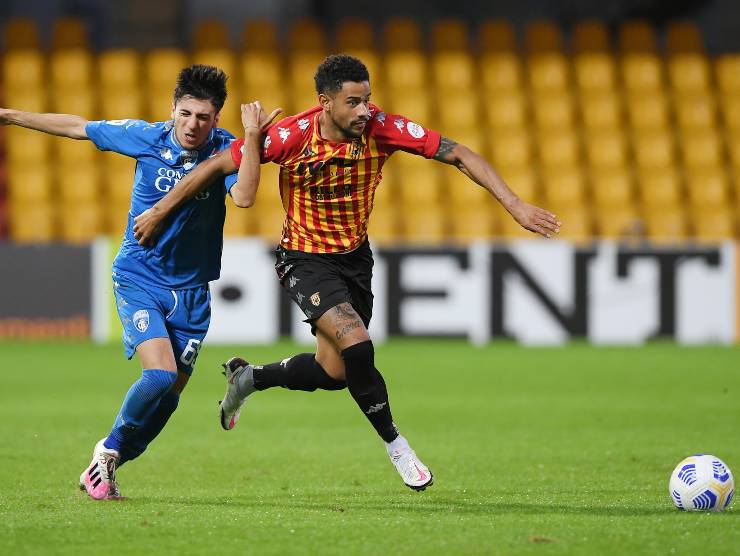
(64, 125)
(473, 165)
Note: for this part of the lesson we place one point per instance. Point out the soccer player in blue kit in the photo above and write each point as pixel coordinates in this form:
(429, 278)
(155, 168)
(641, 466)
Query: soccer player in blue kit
(161, 292)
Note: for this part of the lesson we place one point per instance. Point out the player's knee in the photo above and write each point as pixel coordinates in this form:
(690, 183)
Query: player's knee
(328, 381)
(180, 383)
(359, 362)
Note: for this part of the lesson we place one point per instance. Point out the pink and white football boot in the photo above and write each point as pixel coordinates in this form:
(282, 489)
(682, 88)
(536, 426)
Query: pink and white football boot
(99, 479)
(414, 473)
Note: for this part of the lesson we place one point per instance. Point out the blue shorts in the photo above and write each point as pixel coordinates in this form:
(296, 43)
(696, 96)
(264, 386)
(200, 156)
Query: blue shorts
(182, 316)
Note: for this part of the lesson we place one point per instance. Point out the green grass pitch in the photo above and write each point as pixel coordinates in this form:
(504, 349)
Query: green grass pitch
(535, 451)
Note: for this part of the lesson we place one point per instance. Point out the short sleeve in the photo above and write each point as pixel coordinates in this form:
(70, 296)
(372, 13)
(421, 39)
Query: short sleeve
(393, 133)
(230, 181)
(128, 137)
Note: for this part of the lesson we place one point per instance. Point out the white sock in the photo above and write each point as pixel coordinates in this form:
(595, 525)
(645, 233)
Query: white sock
(399, 443)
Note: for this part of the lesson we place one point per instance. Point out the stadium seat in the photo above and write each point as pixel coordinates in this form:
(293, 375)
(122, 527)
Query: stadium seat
(425, 227)
(590, 36)
(500, 71)
(121, 105)
(74, 153)
(115, 218)
(79, 183)
(237, 220)
(118, 177)
(405, 69)
(449, 34)
(383, 228)
(307, 34)
(29, 100)
(542, 36)
(80, 223)
(496, 35)
(695, 111)
(611, 187)
(577, 225)
(268, 193)
(260, 71)
(595, 71)
(648, 111)
(637, 36)
(82, 102)
(119, 70)
(558, 148)
(733, 152)
(511, 147)
(209, 34)
(260, 35)
(712, 225)
(683, 37)
(454, 72)
(401, 34)
(606, 149)
(701, 148)
(23, 71)
(548, 71)
(32, 223)
(459, 111)
(666, 225)
(621, 222)
(654, 149)
(601, 111)
(730, 105)
(354, 34)
(29, 183)
(21, 33)
(642, 73)
(68, 32)
(523, 180)
(419, 183)
(708, 188)
(266, 222)
(727, 67)
(416, 105)
(553, 111)
(564, 186)
(162, 65)
(689, 73)
(659, 187)
(505, 110)
(471, 223)
(222, 58)
(462, 191)
(25, 146)
(302, 67)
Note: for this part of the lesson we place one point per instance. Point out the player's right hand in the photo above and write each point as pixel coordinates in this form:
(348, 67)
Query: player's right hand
(148, 226)
(253, 115)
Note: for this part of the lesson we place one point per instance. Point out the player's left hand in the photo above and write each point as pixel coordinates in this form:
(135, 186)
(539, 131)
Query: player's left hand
(147, 227)
(535, 219)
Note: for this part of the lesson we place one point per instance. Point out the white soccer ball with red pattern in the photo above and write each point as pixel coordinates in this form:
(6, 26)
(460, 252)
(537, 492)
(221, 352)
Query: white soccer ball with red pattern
(702, 483)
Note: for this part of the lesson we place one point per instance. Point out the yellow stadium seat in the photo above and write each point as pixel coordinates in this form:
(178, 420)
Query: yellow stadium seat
(612, 187)
(512, 147)
(450, 34)
(405, 69)
(695, 111)
(606, 149)
(425, 225)
(121, 105)
(590, 36)
(162, 66)
(548, 71)
(267, 222)
(302, 67)
(648, 111)
(564, 186)
(454, 71)
(115, 218)
(558, 148)
(402, 33)
(707, 187)
(701, 148)
(21, 33)
(210, 33)
(733, 151)
(659, 187)
(727, 68)
(496, 35)
(500, 71)
(74, 153)
(28, 100)
(731, 111)
(119, 70)
(683, 37)
(712, 225)
(542, 36)
(506, 110)
(26, 146)
(601, 111)
(23, 70)
(269, 189)
(118, 185)
(553, 111)
(222, 58)
(302, 98)
(383, 228)
(462, 191)
(237, 220)
(689, 72)
(30, 183)
(642, 73)
(637, 36)
(158, 103)
(666, 225)
(230, 119)
(654, 149)
(81, 102)
(306, 34)
(355, 34)
(618, 222)
(595, 71)
(260, 35)
(472, 223)
(459, 111)
(79, 183)
(576, 222)
(261, 70)
(32, 223)
(80, 223)
(71, 68)
(419, 181)
(416, 105)
(68, 32)
(273, 98)
(522, 180)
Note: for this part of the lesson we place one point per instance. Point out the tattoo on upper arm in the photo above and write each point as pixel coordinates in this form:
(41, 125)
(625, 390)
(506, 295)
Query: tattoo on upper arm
(445, 147)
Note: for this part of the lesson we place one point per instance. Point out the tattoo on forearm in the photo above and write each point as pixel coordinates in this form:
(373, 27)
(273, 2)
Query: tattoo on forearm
(445, 146)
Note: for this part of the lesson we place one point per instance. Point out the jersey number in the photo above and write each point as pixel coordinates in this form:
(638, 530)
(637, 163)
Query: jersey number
(190, 352)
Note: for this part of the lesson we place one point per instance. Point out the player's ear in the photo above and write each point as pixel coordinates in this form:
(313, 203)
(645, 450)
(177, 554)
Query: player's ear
(173, 110)
(325, 101)
(215, 118)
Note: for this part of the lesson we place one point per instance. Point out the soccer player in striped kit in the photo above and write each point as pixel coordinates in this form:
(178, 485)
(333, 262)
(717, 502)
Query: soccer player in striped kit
(331, 158)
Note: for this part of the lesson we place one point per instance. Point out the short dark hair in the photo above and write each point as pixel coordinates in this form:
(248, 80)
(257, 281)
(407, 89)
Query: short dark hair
(336, 69)
(202, 82)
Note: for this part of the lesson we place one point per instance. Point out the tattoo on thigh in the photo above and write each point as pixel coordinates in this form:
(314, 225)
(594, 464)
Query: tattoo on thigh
(347, 328)
(346, 319)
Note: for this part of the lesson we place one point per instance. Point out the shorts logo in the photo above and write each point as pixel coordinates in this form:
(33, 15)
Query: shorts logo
(415, 130)
(141, 320)
(316, 299)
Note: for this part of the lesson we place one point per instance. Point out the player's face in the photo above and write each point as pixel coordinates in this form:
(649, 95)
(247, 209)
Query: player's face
(194, 120)
(348, 109)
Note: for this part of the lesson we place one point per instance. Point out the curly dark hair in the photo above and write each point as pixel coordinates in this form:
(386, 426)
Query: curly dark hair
(335, 70)
(202, 82)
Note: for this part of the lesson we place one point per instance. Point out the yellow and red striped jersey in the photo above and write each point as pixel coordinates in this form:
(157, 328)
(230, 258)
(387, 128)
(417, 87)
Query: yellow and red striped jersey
(328, 188)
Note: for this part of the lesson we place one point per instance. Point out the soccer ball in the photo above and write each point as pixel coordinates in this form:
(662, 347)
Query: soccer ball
(703, 483)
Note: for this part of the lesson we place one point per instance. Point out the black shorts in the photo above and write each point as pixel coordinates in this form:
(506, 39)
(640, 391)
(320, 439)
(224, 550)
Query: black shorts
(319, 281)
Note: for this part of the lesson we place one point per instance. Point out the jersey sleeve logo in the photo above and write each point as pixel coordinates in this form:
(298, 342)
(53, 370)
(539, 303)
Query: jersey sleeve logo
(415, 130)
(284, 132)
(380, 118)
(399, 124)
(303, 124)
(265, 145)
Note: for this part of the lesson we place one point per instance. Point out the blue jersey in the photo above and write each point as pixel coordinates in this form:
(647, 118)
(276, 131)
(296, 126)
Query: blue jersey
(188, 253)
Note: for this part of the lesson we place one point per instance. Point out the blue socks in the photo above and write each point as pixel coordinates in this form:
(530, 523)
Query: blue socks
(150, 429)
(141, 402)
